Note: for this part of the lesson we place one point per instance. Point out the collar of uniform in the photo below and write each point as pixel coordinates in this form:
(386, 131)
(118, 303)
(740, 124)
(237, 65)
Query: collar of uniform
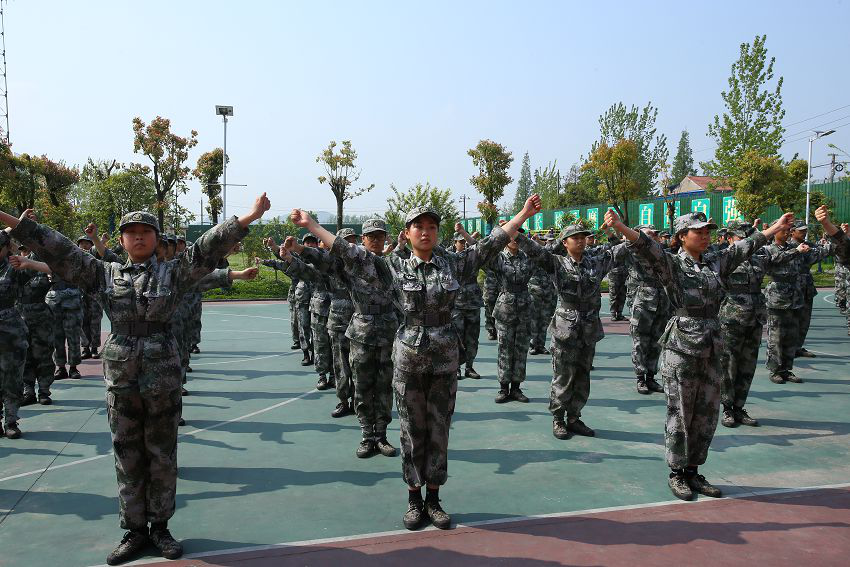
(150, 262)
(689, 260)
(507, 253)
(416, 261)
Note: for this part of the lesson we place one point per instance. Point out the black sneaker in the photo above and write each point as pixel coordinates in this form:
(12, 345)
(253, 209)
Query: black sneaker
(322, 383)
(12, 431)
(184, 391)
(742, 417)
(679, 486)
(653, 385)
(168, 547)
(438, 516)
(195, 350)
(728, 419)
(491, 335)
(181, 423)
(28, 399)
(642, 388)
(471, 373)
(189, 369)
(535, 351)
(579, 428)
(502, 396)
(791, 377)
(516, 394)
(73, 373)
(559, 429)
(95, 354)
(295, 346)
(307, 360)
(805, 353)
(131, 544)
(777, 378)
(60, 373)
(85, 354)
(544, 350)
(384, 447)
(366, 448)
(44, 400)
(698, 484)
(342, 410)
(415, 513)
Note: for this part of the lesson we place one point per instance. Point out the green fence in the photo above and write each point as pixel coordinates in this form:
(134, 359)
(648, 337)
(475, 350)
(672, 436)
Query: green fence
(196, 230)
(719, 205)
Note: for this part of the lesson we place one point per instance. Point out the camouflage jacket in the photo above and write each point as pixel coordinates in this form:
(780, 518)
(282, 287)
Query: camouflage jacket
(786, 289)
(147, 292)
(13, 332)
(300, 291)
(578, 285)
(34, 292)
(319, 267)
(695, 291)
(426, 341)
(842, 247)
(540, 282)
(744, 303)
(807, 281)
(491, 281)
(513, 271)
(619, 269)
(469, 296)
(62, 293)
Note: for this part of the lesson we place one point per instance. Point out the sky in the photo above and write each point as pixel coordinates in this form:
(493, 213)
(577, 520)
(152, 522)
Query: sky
(413, 85)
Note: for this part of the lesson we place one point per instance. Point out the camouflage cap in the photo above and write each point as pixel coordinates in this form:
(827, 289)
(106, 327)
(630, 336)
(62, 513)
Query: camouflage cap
(138, 217)
(739, 228)
(665, 234)
(573, 230)
(549, 237)
(181, 238)
(459, 237)
(171, 238)
(800, 224)
(85, 238)
(647, 227)
(417, 212)
(373, 225)
(309, 236)
(692, 220)
(721, 231)
(346, 232)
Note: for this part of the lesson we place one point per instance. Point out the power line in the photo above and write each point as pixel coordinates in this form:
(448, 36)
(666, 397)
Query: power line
(818, 126)
(818, 115)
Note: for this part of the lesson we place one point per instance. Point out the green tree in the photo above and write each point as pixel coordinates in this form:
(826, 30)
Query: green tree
(104, 200)
(618, 170)
(399, 203)
(493, 162)
(683, 163)
(340, 175)
(754, 113)
(167, 153)
(547, 184)
(761, 181)
(638, 125)
(581, 187)
(208, 171)
(523, 186)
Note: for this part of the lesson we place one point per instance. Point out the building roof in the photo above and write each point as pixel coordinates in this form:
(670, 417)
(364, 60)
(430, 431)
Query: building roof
(703, 181)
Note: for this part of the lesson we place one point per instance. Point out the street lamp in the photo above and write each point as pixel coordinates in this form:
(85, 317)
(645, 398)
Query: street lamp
(816, 134)
(224, 112)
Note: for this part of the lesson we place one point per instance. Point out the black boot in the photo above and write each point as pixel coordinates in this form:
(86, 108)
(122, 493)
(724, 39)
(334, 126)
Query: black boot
(559, 428)
(162, 539)
(384, 446)
(342, 410)
(85, 354)
(131, 544)
(12, 431)
(73, 373)
(728, 418)
(742, 417)
(679, 485)
(308, 359)
(322, 383)
(503, 396)
(653, 385)
(195, 349)
(366, 448)
(471, 373)
(698, 483)
(44, 399)
(60, 373)
(516, 394)
(435, 512)
(28, 399)
(415, 510)
(295, 346)
(579, 428)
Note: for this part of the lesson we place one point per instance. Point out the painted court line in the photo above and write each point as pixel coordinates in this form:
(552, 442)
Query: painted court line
(238, 360)
(250, 316)
(186, 434)
(509, 520)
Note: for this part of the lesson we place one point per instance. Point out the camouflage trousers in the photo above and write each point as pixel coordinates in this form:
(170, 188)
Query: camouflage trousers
(783, 328)
(195, 314)
(617, 292)
(543, 304)
(305, 329)
(426, 403)
(341, 349)
(490, 297)
(67, 324)
(841, 279)
(92, 317)
(468, 325)
(13, 353)
(693, 404)
(39, 362)
(372, 369)
(738, 361)
(144, 439)
(646, 325)
(805, 319)
(178, 329)
(293, 324)
(512, 351)
(321, 344)
(571, 362)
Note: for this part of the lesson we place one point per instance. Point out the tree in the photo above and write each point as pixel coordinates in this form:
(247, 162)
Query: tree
(421, 196)
(754, 113)
(167, 153)
(683, 163)
(208, 171)
(581, 187)
(637, 125)
(761, 181)
(547, 184)
(340, 174)
(492, 161)
(523, 185)
(104, 201)
(618, 170)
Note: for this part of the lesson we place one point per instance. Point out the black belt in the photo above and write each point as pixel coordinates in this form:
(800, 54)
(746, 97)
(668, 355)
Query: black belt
(139, 328)
(437, 319)
(373, 309)
(700, 312)
(513, 287)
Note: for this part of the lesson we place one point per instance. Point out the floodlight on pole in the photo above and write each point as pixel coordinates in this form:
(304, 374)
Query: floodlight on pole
(224, 112)
(815, 135)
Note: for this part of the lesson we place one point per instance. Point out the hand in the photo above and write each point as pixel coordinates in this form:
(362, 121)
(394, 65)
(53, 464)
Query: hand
(803, 248)
(612, 220)
(532, 206)
(845, 228)
(288, 244)
(261, 205)
(302, 219)
(250, 273)
(756, 223)
(458, 227)
(256, 261)
(502, 222)
(18, 262)
(402, 239)
(269, 242)
(28, 214)
(476, 235)
(785, 221)
(104, 238)
(91, 230)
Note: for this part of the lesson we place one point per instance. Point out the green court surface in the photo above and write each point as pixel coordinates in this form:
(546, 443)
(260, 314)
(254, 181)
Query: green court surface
(262, 462)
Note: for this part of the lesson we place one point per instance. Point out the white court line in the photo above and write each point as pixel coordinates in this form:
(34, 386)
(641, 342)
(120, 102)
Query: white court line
(251, 316)
(194, 432)
(509, 520)
(826, 298)
(237, 360)
(828, 353)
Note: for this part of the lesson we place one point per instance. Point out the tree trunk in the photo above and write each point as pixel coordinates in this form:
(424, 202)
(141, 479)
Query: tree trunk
(339, 201)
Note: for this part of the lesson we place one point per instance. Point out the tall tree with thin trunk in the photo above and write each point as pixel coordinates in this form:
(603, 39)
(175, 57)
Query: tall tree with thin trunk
(493, 162)
(523, 185)
(340, 174)
(208, 171)
(683, 163)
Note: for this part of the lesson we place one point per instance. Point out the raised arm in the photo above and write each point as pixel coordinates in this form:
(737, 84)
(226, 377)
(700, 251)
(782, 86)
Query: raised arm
(838, 237)
(742, 250)
(23, 263)
(483, 251)
(462, 231)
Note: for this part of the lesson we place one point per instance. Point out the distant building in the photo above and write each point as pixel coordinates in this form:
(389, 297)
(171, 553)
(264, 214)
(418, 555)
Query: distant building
(693, 183)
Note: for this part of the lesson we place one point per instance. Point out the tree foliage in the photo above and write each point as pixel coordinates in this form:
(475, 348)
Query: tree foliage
(341, 174)
(683, 162)
(208, 171)
(761, 181)
(754, 113)
(441, 200)
(104, 200)
(523, 187)
(618, 169)
(547, 184)
(580, 187)
(252, 244)
(168, 154)
(493, 162)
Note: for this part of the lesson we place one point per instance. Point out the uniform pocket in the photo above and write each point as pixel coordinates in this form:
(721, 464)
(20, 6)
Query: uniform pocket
(116, 353)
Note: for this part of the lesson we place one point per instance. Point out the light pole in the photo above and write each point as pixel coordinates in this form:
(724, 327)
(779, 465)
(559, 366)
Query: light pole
(812, 138)
(224, 112)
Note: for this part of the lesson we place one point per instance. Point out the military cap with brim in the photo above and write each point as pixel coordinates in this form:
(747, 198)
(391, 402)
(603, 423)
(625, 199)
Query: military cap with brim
(692, 220)
(309, 236)
(346, 232)
(417, 212)
(171, 238)
(138, 217)
(722, 231)
(373, 225)
(458, 236)
(647, 227)
(739, 228)
(181, 238)
(573, 230)
(85, 238)
(800, 225)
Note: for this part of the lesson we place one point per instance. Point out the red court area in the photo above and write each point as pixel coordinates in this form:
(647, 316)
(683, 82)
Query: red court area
(799, 528)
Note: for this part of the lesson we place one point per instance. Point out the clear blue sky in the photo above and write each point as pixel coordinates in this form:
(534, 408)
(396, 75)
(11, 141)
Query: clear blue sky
(412, 85)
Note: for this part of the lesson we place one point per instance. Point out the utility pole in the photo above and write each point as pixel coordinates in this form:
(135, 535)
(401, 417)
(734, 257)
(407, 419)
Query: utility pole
(202, 211)
(463, 199)
(4, 93)
(832, 167)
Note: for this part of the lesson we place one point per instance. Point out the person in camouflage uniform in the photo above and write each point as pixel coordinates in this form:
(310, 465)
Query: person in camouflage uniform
(194, 300)
(303, 296)
(742, 317)
(65, 302)
(544, 301)
(491, 294)
(39, 320)
(293, 314)
(425, 350)
(785, 298)
(838, 238)
(692, 342)
(13, 339)
(141, 366)
(466, 314)
(650, 311)
(617, 291)
(92, 313)
(841, 273)
(807, 283)
(576, 327)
